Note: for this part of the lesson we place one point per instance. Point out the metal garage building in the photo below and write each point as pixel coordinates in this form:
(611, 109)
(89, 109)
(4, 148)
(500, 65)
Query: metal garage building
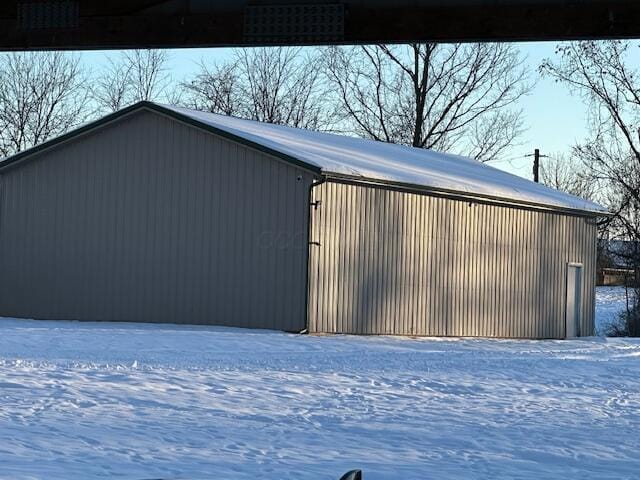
(163, 214)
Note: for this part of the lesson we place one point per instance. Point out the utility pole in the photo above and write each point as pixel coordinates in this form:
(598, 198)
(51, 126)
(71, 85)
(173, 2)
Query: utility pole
(536, 164)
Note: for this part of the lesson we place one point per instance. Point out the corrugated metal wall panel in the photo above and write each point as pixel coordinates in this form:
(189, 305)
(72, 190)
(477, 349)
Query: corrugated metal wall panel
(152, 220)
(403, 263)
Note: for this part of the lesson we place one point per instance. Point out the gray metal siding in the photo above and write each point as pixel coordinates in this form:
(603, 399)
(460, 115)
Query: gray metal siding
(152, 220)
(392, 262)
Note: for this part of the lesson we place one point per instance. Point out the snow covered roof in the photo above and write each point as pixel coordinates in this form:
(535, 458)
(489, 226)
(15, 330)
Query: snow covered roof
(366, 160)
(336, 155)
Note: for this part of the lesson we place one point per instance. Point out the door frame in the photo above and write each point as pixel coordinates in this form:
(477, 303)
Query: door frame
(573, 306)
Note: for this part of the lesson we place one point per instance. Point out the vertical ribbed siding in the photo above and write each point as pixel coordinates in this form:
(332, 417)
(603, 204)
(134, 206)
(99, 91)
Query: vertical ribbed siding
(409, 264)
(152, 220)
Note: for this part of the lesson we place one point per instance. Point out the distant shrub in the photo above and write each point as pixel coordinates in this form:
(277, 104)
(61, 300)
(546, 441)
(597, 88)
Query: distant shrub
(632, 318)
(618, 327)
(628, 322)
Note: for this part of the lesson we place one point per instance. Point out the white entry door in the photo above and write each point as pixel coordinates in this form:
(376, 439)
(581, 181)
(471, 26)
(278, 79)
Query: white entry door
(574, 300)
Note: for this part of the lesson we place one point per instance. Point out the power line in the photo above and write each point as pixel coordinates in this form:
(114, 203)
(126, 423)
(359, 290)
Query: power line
(510, 162)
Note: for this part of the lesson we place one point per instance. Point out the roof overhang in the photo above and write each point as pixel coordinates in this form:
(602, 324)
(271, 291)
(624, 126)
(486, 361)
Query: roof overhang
(468, 197)
(115, 24)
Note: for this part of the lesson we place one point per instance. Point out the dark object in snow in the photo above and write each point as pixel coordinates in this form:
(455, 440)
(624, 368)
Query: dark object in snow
(352, 475)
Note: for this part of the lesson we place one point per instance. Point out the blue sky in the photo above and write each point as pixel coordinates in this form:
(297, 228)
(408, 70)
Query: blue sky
(554, 119)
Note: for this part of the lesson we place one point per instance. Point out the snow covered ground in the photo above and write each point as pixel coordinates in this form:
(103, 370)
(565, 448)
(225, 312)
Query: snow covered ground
(84, 401)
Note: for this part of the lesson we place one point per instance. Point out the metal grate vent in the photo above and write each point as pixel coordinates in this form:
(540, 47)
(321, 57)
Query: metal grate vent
(294, 23)
(48, 15)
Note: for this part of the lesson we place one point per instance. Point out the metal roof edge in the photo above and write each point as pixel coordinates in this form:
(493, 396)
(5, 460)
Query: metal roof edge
(231, 136)
(465, 196)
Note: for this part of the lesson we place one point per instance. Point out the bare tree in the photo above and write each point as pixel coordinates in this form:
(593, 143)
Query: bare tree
(600, 74)
(148, 70)
(112, 87)
(566, 173)
(448, 97)
(42, 95)
(215, 89)
(279, 85)
(132, 77)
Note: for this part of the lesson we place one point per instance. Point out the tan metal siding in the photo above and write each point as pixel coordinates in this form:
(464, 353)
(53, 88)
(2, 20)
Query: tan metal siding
(152, 220)
(404, 263)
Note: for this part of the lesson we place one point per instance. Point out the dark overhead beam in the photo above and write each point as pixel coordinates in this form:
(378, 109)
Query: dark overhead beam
(76, 24)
